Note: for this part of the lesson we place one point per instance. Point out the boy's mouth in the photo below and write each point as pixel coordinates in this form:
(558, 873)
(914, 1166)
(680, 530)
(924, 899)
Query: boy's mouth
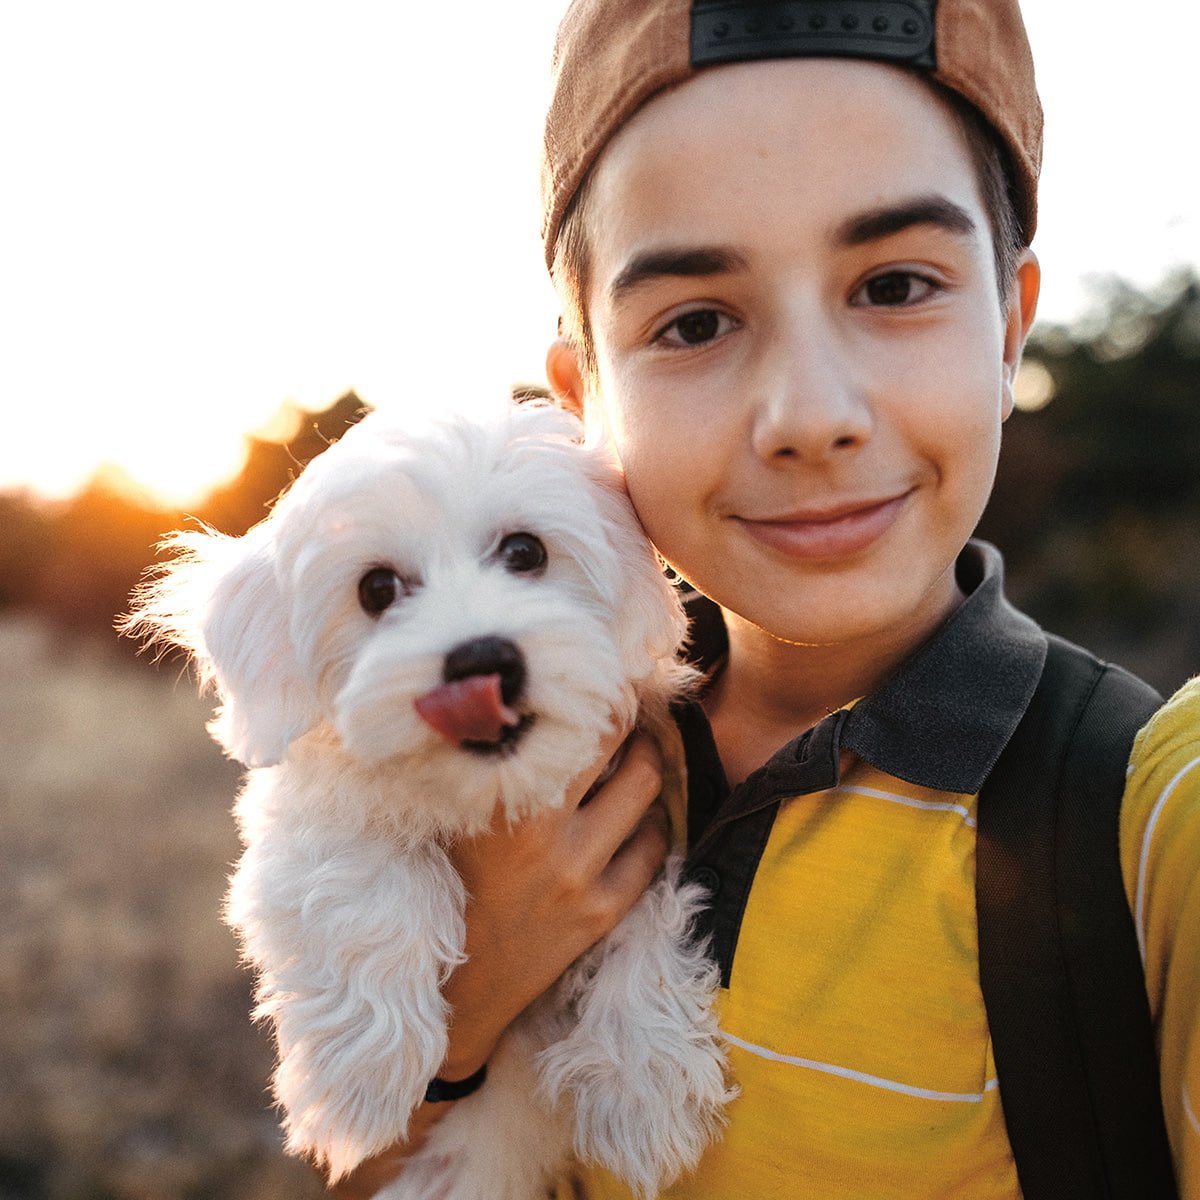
(830, 531)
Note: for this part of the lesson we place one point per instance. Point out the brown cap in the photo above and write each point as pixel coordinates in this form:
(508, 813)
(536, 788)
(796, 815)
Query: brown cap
(612, 56)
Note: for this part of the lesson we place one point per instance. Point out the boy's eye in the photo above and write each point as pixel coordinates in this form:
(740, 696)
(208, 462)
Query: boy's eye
(695, 328)
(893, 289)
(521, 553)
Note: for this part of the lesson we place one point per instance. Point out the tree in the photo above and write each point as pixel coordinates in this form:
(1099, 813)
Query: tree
(1098, 494)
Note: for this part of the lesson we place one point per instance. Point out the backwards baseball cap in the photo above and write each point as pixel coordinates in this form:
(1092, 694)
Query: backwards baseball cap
(612, 56)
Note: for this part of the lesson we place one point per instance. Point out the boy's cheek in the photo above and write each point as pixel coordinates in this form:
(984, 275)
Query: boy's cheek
(638, 421)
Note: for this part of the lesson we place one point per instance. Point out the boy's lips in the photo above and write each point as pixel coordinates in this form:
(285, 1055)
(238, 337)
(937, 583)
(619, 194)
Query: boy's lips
(833, 531)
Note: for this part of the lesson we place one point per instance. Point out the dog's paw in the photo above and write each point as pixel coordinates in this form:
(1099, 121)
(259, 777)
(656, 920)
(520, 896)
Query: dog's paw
(644, 1068)
(346, 1098)
(341, 1107)
(650, 1121)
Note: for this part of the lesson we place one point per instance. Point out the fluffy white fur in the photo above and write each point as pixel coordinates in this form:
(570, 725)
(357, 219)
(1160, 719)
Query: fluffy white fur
(345, 899)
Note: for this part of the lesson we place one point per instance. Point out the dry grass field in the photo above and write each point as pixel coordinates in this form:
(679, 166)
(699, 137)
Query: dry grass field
(128, 1066)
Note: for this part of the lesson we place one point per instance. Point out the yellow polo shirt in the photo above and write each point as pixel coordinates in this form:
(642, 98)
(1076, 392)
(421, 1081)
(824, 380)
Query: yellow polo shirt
(845, 924)
(1160, 863)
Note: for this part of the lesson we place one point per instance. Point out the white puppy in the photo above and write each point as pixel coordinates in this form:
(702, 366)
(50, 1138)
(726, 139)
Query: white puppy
(428, 622)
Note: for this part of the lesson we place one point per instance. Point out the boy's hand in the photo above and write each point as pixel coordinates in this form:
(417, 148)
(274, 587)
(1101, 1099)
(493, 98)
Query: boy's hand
(544, 891)
(539, 895)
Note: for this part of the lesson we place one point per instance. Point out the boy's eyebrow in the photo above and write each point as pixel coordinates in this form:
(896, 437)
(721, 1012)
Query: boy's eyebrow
(895, 218)
(864, 227)
(685, 263)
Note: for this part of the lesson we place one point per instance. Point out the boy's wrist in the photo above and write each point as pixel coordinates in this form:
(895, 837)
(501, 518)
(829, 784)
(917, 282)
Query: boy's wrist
(460, 1065)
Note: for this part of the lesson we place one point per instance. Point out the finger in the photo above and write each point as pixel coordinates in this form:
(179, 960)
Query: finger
(536, 833)
(616, 809)
(543, 823)
(632, 869)
(610, 743)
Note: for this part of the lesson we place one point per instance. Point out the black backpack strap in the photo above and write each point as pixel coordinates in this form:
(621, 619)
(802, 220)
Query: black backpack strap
(1059, 963)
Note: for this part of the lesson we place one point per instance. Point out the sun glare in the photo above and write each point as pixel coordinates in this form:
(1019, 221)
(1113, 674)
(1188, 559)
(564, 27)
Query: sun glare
(223, 208)
(1034, 387)
(165, 464)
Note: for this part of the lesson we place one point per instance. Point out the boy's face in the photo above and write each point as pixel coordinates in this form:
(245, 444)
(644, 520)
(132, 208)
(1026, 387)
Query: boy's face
(802, 359)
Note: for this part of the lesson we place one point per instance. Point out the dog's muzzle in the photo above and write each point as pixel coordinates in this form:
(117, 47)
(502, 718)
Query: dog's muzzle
(482, 680)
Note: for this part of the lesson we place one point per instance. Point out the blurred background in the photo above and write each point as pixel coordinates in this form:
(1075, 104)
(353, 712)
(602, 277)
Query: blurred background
(227, 228)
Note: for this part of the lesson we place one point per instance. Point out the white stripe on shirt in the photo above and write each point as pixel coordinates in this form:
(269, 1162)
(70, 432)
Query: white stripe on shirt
(910, 802)
(1190, 1112)
(861, 1076)
(1140, 905)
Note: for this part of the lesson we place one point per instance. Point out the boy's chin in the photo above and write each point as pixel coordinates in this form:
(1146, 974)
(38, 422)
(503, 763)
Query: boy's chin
(837, 610)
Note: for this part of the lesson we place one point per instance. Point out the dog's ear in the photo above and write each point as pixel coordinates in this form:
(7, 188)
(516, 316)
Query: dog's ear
(218, 598)
(656, 624)
(652, 623)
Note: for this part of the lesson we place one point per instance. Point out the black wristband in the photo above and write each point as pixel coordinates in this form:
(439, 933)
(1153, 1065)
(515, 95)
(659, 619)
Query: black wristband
(441, 1090)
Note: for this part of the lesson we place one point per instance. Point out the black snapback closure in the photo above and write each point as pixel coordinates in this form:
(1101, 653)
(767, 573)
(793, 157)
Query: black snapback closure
(899, 31)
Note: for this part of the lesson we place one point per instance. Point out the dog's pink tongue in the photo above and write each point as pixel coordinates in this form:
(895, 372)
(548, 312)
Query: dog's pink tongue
(467, 710)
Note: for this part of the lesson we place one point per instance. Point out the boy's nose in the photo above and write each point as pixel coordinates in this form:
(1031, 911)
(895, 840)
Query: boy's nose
(809, 404)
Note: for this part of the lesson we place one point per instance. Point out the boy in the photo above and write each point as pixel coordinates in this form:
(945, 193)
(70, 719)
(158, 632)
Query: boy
(792, 245)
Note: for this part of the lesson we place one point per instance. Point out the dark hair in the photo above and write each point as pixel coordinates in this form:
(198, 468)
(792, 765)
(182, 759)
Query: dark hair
(995, 178)
(571, 268)
(571, 271)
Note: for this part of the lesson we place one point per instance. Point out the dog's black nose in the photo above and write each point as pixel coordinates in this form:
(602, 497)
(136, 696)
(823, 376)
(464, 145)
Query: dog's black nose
(488, 656)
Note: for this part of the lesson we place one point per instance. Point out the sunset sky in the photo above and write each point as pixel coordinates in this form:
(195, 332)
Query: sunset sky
(210, 211)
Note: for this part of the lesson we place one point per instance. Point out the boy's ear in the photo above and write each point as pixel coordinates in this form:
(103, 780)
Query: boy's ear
(1022, 309)
(565, 375)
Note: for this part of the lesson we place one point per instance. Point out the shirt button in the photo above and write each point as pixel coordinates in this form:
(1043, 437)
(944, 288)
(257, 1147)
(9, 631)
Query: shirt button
(707, 878)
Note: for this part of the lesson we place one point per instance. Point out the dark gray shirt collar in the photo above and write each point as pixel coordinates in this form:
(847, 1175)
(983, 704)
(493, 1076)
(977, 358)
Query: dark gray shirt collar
(939, 722)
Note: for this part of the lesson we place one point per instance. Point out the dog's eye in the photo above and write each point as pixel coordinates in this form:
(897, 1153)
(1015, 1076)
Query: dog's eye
(521, 553)
(379, 589)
